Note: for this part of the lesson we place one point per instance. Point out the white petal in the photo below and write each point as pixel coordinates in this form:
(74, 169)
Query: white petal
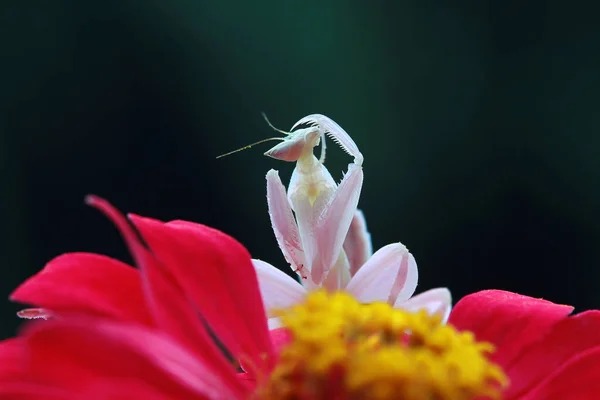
(274, 323)
(358, 245)
(283, 222)
(434, 301)
(309, 285)
(277, 289)
(390, 275)
(339, 275)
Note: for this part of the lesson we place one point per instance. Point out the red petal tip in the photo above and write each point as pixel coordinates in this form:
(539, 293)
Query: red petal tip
(93, 200)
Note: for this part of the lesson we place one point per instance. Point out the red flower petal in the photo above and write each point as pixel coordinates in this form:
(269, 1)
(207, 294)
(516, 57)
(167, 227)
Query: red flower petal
(280, 337)
(14, 380)
(579, 379)
(11, 359)
(177, 317)
(25, 390)
(567, 340)
(510, 321)
(171, 310)
(88, 283)
(216, 273)
(86, 355)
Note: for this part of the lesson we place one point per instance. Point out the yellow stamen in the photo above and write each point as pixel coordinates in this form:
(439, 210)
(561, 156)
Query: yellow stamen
(341, 349)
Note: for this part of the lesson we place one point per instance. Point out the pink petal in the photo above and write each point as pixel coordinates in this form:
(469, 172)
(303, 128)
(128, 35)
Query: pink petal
(357, 244)
(274, 323)
(567, 339)
(339, 135)
(390, 275)
(434, 301)
(578, 379)
(510, 321)
(278, 290)
(283, 222)
(334, 222)
(82, 354)
(170, 308)
(87, 283)
(216, 274)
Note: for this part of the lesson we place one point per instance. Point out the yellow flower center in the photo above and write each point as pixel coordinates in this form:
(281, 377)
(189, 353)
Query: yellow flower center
(341, 349)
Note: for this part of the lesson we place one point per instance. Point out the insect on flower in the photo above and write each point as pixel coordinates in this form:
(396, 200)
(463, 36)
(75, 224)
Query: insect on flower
(324, 211)
(324, 236)
(312, 243)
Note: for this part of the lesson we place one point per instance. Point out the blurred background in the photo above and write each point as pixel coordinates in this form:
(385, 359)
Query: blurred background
(478, 121)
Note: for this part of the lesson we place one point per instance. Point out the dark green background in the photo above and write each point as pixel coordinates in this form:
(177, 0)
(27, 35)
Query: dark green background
(479, 122)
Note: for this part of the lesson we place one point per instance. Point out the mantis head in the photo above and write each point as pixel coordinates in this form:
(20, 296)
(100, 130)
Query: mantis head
(296, 144)
(300, 143)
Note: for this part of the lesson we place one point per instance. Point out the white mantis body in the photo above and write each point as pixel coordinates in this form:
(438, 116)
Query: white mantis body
(312, 243)
(324, 237)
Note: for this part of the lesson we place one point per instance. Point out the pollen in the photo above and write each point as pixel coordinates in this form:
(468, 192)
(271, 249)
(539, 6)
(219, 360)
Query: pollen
(341, 349)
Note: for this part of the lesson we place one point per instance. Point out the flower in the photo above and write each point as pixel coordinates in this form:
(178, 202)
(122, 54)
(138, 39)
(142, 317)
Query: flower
(324, 237)
(118, 332)
(196, 284)
(358, 351)
(373, 351)
(545, 353)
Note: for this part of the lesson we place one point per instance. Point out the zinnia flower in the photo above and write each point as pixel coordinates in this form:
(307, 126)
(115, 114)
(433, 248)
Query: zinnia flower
(196, 284)
(324, 237)
(546, 353)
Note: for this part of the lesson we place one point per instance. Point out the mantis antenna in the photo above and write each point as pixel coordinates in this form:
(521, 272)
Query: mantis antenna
(260, 141)
(249, 146)
(271, 125)
(321, 159)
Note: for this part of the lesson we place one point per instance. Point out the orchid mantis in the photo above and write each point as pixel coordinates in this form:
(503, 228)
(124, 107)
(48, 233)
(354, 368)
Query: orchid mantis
(324, 236)
(324, 211)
